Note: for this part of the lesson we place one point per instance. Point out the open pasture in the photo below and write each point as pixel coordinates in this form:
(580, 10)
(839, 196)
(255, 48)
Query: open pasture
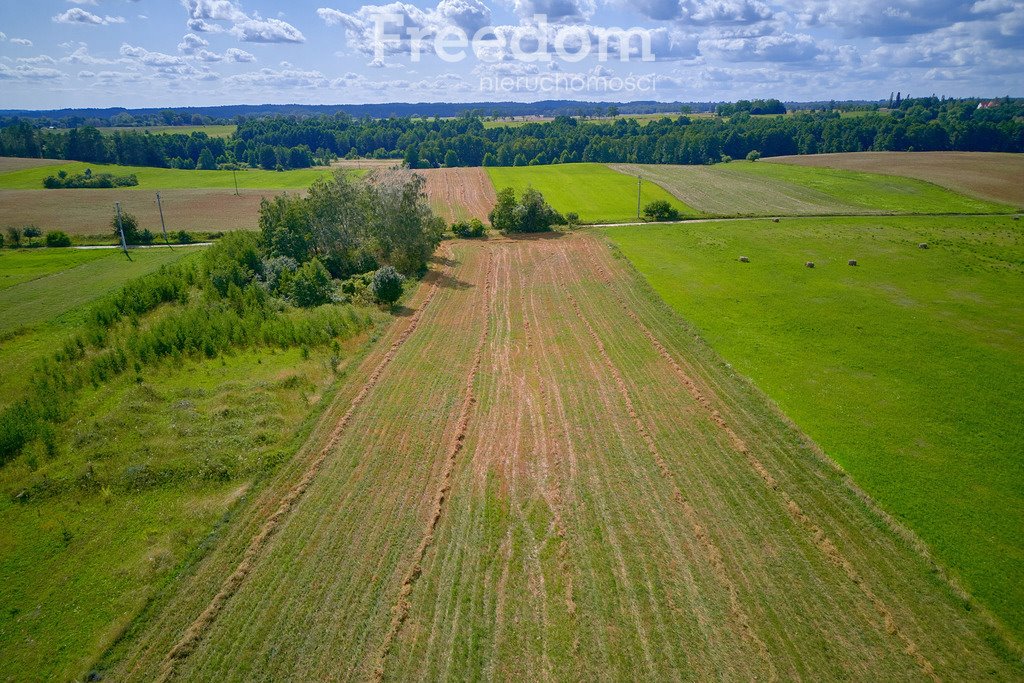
(168, 178)
(541, 473)
(593, 191)
(873, 191)
(89, 212)
(458, 194)
(8, 164)
(214, 131)
(907, 369)
(988, 175)
(721, 190)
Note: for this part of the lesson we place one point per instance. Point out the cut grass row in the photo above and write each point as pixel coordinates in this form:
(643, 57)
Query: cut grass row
(906, 369)
(598, 520)
(593, 191)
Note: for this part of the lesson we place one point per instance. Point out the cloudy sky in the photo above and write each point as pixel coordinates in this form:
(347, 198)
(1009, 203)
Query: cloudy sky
(135, 53)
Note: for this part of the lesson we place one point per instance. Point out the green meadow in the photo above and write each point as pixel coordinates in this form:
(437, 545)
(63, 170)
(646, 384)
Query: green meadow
(907, 369)
(168, 178)
(594, 191)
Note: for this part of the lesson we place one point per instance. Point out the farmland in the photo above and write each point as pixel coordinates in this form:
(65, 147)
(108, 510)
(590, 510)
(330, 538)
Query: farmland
(168, 178)
(744, 188)
(588, 492)
(906, 369)
(594, 191)
(458, 194)
(987, 175)
(214, 131)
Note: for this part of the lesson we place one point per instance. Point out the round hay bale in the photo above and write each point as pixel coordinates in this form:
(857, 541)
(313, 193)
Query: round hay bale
(744, 259)
(809, 264)
(923, 245)
(775, 220)
(852, 262)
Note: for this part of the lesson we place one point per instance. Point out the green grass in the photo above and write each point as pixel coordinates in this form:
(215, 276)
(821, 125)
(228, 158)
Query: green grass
(168, 178)
(22, 265)
(907, 369)
(70, 280)
(594, 191)
(77, 566)
(886, 193)
(223, 131)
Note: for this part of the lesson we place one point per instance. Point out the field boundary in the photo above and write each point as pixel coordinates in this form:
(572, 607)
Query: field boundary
(194, 633)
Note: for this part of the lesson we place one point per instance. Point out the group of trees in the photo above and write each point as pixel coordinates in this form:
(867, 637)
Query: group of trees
(919, 124)
(88, 179)
(528, 213)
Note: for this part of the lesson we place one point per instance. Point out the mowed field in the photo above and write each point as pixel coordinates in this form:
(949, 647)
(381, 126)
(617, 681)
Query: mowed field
(594, 191)
(572, 486)
(167, 178)
(89, 212)
(908, 369)
(214, 131)
(458, 194)
(743, 188)
(988, 175)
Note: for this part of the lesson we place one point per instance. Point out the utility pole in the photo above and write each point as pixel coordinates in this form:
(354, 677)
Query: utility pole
(639, 184)
(120, 230)
(234, 174)
(162, 226)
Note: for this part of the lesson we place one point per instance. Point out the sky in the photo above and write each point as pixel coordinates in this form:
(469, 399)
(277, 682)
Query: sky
(166, 53)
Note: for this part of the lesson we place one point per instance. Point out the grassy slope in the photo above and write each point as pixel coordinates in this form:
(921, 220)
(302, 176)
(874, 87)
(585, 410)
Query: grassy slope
(907, 369)
(561, 507)
(891, 194)
(594, 191)
(167, 178)
(76, 567)
(23, 265)
(73, 282)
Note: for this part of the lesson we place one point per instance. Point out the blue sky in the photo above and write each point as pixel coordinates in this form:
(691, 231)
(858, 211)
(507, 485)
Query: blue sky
(136, 53)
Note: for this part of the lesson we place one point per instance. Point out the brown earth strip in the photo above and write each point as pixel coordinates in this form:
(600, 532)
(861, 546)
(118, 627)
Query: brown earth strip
(89, 212)
(21, 163)
(459, 193)
(191, 637)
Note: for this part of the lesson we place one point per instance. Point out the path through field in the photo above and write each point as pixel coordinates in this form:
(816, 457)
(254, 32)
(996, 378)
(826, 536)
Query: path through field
(541, 474)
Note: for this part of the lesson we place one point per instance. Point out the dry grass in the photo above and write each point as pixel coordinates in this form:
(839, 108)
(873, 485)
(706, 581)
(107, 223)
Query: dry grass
(459, 193)
(987, 175)
(88, 212)
(550, 478)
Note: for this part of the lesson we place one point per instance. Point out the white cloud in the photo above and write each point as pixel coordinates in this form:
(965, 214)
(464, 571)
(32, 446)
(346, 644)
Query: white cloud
(267, 31)
(191, 43)
(248, 28)
(77, 15)
(21, 41)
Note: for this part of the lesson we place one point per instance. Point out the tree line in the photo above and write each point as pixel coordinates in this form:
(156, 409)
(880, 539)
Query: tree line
(919, 124)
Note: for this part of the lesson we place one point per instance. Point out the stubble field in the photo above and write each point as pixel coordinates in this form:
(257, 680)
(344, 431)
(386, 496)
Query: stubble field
(573, 486)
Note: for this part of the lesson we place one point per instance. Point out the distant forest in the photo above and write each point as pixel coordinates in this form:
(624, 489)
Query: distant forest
(283, 142)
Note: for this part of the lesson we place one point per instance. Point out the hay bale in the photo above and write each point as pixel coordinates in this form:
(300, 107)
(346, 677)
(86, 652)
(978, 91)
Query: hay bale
(852, 262)
(923, 245)
(775, 220)
(809, 264)
(744, 259)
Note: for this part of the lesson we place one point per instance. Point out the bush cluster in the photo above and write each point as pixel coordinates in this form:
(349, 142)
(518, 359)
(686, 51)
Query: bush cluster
(88, 180)
(528, 214)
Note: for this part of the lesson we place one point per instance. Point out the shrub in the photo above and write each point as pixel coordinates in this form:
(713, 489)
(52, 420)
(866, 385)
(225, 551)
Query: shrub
(14, 235)
(312, 285)
(58, 238)
(182, 237)
(1, 241)
(753, 155)
(132, 234)
(572, 219)
(660, 210)
(472, 228)
(31, 233)
(387, 285)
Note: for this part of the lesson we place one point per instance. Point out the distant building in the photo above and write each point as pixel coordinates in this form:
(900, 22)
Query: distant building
(991, 104)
